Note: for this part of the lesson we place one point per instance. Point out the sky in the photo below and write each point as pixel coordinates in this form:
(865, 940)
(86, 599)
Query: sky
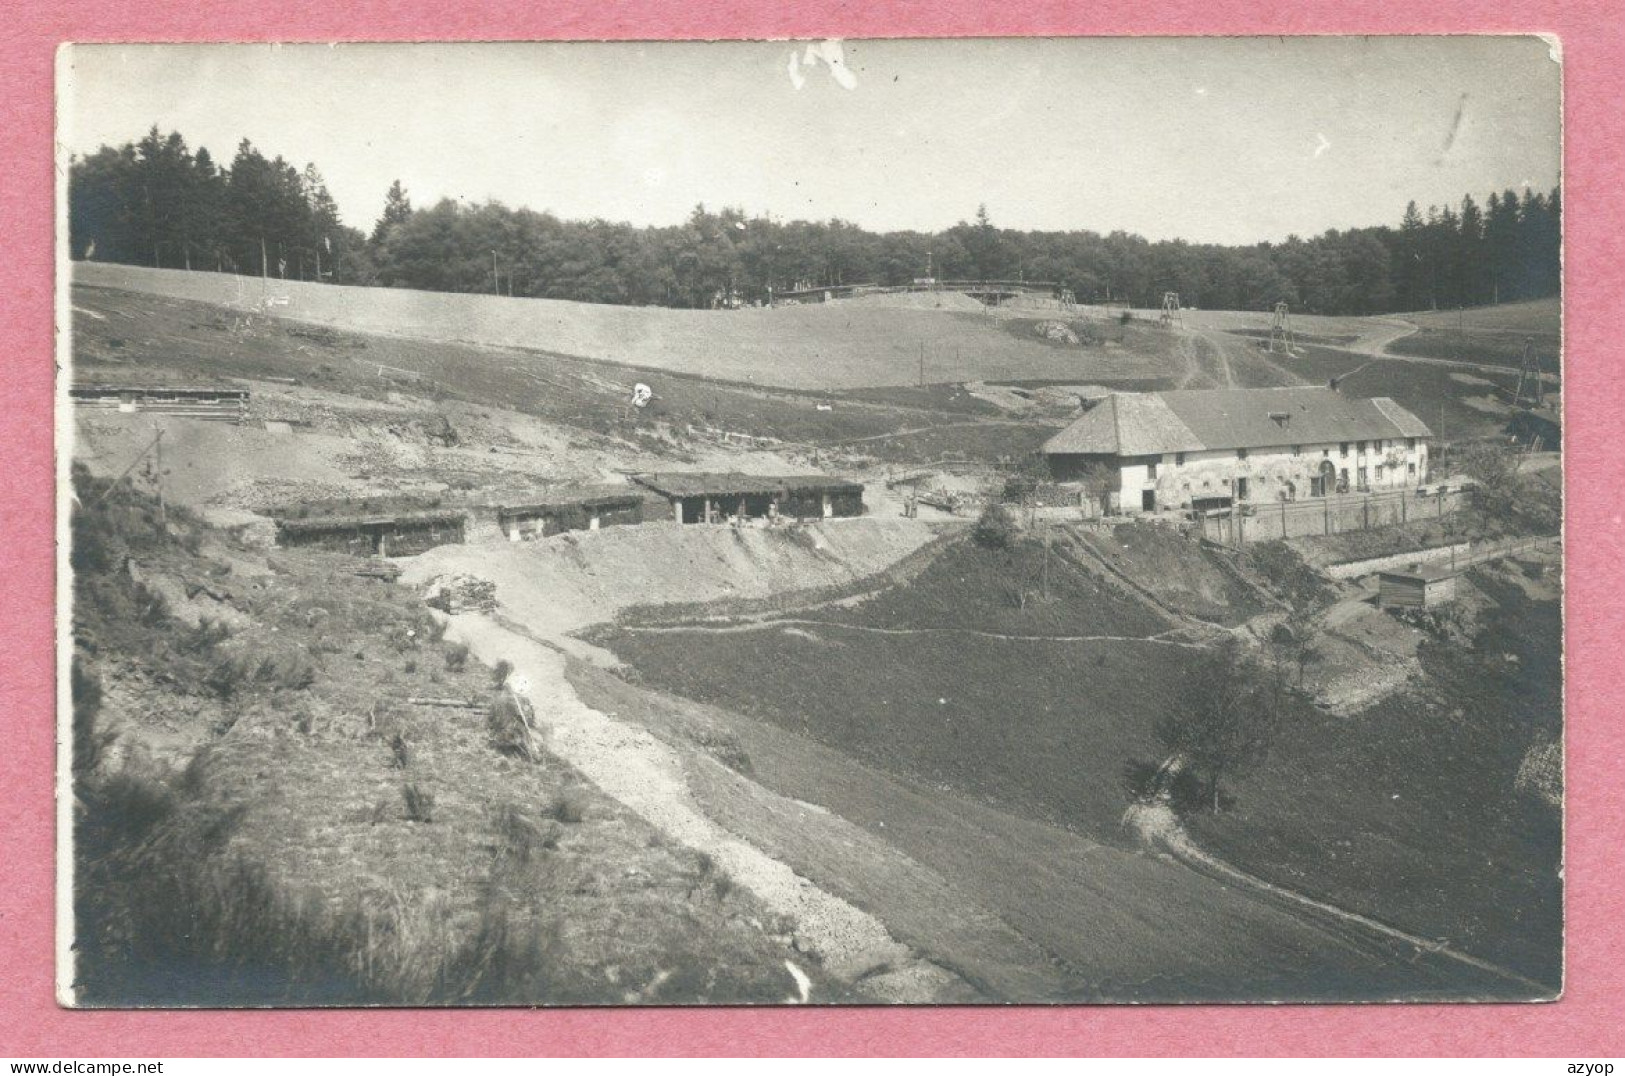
(1225, 140)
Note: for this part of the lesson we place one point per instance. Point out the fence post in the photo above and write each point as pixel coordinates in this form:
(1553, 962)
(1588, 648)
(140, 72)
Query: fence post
(1283, 520)
(1326, 512)
(1365, 513)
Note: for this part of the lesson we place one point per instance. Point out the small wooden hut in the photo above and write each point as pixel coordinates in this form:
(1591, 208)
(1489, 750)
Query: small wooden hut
(1419, 588)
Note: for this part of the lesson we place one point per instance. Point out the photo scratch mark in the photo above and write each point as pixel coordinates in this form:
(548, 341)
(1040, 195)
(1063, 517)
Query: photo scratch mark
(1455, 129)
(831, 54)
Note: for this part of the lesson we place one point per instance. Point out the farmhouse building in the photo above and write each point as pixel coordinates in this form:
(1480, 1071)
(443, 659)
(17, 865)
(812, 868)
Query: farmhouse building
(1214, 448)
(718, 498)
(401, 534)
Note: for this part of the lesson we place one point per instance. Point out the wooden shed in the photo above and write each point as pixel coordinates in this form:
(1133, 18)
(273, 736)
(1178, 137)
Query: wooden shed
(213, 403)
(697, 497)
(401, 534)
(1420, 588)
(574, 508)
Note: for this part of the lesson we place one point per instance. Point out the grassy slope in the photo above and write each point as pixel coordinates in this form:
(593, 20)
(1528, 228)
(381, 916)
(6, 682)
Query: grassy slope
(954, 592)
(1541, 317)
(1190, 579)
(1490, 334)
(824, 346)
(955, 877)
(282, 862)
(1407, 811)
(122, 335)
(1044, 729)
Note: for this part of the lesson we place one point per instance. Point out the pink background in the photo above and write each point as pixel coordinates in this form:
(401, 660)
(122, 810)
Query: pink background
(1583, 1024)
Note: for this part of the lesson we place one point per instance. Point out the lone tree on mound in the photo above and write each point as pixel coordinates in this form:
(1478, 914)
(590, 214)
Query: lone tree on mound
(1223, 718)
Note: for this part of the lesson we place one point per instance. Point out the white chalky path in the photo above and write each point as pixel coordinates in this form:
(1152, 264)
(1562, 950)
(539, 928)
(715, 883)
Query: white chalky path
(643, 773)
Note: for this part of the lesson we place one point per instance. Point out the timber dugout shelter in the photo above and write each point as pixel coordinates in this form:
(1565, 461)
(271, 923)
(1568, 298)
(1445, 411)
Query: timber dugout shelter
(569, 509)
(401, 534)
(699, 497)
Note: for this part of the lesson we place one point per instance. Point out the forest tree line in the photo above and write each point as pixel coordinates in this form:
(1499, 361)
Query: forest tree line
(156, 202)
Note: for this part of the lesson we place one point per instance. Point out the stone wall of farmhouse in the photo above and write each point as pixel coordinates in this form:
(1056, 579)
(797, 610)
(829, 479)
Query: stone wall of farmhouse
(1273, 474)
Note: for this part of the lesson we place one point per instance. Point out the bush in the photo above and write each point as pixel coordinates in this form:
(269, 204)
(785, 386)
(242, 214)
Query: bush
(570, 809)
(995, 529)
(456, 657)
(1177, 786)
(232, 676)
(500, 674)
(509, 723)
(1288, 574)
(419, 803)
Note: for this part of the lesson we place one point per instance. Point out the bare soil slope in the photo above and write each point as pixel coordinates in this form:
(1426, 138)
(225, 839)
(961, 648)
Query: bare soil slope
(578, 578)
(823, 346)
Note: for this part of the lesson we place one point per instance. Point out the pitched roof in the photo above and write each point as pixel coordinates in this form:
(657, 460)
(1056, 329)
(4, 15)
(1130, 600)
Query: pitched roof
(1126, 424)
(1143, 424)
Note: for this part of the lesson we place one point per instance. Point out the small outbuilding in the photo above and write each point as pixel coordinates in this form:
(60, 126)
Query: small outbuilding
(1420, 588)
(209, 402)
(571, 509)
(402, 534)
(701, 497)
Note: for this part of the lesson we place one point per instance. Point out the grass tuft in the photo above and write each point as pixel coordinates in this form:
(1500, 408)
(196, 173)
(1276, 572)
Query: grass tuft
(419, 803)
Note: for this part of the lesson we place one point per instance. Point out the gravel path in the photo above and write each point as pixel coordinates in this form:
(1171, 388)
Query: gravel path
(647, 776)
(725, 629)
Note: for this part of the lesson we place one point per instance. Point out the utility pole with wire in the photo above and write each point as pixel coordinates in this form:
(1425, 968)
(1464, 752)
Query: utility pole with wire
(158, 474)
(111, 486)
(1046, 556)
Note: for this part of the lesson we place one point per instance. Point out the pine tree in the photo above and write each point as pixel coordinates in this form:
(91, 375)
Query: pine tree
(1471, 263)
(397, 210)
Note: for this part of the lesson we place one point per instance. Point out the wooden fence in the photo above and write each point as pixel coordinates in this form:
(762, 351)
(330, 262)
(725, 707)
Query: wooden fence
(1457, 557)
(1327, 515)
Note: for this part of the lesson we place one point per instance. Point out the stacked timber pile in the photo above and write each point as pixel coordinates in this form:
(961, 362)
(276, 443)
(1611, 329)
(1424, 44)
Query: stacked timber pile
(464, 594)
(379, 569)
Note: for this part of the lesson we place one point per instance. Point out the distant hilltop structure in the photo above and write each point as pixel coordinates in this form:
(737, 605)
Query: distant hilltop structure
(1219, 448)
(988, 291)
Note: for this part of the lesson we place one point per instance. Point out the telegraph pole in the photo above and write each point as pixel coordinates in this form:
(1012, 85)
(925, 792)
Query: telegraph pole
(1046, 558)
(158, 475)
